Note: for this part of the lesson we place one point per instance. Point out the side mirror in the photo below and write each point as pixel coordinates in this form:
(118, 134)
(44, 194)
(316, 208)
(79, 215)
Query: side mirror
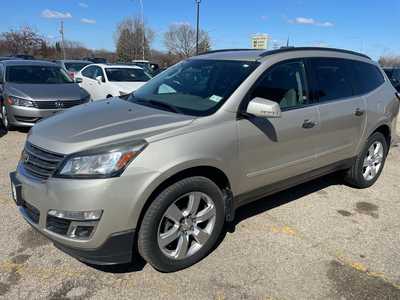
(264, 108)
(78, 80)
(99, 79)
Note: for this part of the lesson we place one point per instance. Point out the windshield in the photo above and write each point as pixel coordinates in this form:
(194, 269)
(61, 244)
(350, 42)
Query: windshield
(37, 75)
(75, 67)
(127, 74)
(195, 87)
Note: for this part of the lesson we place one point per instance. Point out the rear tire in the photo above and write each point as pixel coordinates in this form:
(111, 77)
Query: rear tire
(369, 163)
(182, 224)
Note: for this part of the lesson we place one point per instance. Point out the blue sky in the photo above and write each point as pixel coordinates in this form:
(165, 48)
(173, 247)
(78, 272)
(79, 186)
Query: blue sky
(365, 26)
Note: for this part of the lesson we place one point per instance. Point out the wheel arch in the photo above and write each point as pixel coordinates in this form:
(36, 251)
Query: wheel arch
(386, 131)
(213, 173)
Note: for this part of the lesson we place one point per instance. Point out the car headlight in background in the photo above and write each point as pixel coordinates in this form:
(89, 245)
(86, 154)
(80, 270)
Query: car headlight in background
(11, 100)
(100, 164)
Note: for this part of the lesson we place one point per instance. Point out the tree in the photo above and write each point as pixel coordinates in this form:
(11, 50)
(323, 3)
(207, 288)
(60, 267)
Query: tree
(390, 61)
(180, 40)
(25, 40)
(129, 40)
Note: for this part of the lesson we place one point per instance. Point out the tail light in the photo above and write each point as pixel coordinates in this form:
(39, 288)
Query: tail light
(71, 74)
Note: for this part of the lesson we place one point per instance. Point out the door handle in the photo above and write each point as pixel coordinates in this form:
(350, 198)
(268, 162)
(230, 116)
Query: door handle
(359, 112)
(308, 124)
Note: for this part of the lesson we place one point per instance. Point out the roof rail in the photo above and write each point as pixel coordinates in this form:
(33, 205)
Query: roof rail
(226, 50)
(289, 49)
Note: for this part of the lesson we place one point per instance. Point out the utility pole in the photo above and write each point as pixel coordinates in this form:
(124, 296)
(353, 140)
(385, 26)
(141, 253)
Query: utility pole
(62, 39)
(198, 26)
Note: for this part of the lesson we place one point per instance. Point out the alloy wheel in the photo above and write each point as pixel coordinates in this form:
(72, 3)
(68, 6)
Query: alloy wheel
(186, 225)
(373, 161)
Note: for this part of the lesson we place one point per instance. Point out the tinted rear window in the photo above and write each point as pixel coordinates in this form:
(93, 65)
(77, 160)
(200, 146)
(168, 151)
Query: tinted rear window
(333, 79)
(367, 77)
(75, 67)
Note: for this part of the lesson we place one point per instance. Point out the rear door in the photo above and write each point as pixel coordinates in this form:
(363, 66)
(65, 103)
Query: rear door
(275, 149)
(342, 112)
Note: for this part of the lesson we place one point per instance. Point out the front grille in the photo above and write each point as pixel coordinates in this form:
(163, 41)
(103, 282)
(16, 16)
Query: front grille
(57, 225)
(59, 104)
(40, 163)
(31, 212)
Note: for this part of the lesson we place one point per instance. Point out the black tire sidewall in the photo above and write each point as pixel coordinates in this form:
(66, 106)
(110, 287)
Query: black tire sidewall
(3, 126)
(147, 239)
(360, 180)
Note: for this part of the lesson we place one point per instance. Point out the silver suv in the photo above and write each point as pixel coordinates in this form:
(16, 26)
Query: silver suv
(164, 170)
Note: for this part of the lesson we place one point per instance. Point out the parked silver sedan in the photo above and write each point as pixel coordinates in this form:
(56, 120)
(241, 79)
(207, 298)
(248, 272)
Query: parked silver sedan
(32, 90)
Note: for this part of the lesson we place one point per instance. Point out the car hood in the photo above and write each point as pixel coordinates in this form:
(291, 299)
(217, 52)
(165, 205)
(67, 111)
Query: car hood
(68, 91)
(103, 122)
(128, 87)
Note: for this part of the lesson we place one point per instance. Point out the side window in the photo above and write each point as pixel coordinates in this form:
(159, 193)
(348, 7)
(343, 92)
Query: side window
(284, 83)
(1, 74)
(368, 77)
(333, 80)
(89, 72)
(397, 74)
(98, 72)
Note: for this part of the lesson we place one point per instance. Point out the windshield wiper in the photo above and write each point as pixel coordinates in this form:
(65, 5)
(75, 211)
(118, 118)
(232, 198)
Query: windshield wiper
(159, 104)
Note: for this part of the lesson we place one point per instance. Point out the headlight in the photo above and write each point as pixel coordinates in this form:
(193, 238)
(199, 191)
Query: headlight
(20, 102)
(101, 163)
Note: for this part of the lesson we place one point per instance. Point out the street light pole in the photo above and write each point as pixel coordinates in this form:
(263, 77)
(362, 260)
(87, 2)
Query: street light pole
(198, 26)
(143, 29)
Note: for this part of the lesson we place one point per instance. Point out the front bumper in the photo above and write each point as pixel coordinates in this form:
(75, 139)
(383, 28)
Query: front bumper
(117, 249)
(28, 116)
(113, 238)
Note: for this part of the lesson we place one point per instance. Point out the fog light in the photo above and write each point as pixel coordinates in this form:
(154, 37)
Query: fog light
(83, 231)
(92, 215)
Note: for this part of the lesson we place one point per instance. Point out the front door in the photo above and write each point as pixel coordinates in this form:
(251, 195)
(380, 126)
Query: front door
(275, 149)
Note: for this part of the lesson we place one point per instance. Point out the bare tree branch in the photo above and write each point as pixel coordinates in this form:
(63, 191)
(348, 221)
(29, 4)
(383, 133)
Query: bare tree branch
(180, 40)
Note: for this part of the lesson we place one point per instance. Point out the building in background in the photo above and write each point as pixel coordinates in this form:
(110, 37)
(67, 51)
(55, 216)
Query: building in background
(260, 41)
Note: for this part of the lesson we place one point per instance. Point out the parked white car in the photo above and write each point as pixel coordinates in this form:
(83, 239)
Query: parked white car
(106, 80)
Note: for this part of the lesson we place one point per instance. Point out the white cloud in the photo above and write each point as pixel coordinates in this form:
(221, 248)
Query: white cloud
(83, 5)
(88, 21)
(53, 14)
(310, 21)
(301, 20)
(326, 24)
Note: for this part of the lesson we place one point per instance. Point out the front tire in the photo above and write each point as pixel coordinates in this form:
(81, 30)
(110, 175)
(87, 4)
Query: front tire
(369, 164)
(4, 117)
(182, 224)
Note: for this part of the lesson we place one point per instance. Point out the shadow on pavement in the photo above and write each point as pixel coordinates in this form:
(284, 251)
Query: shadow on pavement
(284, 197)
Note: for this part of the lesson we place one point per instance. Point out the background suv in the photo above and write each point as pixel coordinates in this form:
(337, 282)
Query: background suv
(394, 76)
(164, 170)
(33, 90)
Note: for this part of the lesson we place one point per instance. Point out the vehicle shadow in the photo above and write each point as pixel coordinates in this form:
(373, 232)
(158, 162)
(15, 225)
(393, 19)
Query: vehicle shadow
(243, 213)
(267, 203)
